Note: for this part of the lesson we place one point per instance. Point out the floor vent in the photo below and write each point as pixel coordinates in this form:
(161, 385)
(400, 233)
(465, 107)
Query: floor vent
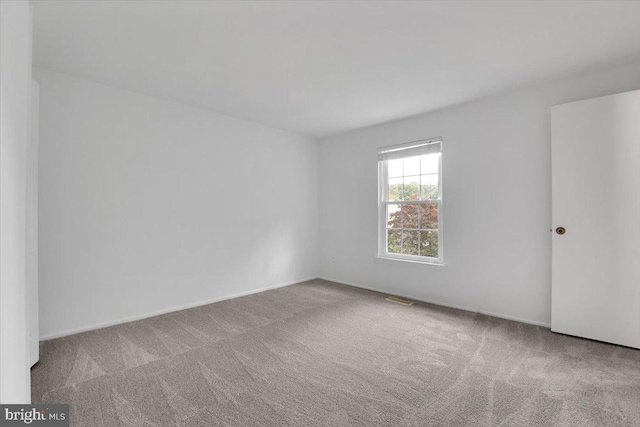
(398, 300)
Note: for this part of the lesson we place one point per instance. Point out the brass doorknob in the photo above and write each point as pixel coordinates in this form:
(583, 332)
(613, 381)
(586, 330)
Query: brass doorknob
(561, 230)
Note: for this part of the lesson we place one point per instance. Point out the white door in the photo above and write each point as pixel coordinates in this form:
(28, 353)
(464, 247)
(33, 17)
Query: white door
(32, 227)
(596, 198)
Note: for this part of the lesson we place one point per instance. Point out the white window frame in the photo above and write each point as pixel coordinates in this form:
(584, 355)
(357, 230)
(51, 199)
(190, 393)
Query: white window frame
(383, 194)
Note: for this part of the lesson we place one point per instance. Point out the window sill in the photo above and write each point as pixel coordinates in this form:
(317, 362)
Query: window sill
(399, 261)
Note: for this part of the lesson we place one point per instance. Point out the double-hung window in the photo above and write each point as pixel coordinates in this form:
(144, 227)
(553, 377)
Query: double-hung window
(410, 201)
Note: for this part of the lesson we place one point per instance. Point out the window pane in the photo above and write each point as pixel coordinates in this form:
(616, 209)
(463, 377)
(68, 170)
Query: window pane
(429, 187)
(428, 216)
(395, 189)
(429, 163)
(394, 168)
(409, 214)
(429, 243)
(412, 187)
(394, 241)
(412, 166)
(411, 205)
(411, 242)
(394, 219)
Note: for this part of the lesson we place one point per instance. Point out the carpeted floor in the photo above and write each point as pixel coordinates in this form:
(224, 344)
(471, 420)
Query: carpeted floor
(323, 354)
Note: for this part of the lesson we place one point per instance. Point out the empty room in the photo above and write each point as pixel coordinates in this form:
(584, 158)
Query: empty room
(320, 213)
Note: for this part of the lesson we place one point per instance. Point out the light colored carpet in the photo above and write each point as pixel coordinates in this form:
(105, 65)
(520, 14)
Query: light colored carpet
(323, 354)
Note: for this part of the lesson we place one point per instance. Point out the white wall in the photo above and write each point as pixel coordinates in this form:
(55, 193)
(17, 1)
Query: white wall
(497, 200)
(15, 84)
(148, 205)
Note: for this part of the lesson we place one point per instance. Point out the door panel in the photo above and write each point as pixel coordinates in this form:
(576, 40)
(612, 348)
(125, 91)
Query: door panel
(596, 198)
(32, 228)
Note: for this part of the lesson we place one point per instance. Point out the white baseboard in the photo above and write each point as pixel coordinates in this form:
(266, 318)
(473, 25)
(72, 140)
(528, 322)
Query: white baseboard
(280, 285)
(165, 311)
(459, 307)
